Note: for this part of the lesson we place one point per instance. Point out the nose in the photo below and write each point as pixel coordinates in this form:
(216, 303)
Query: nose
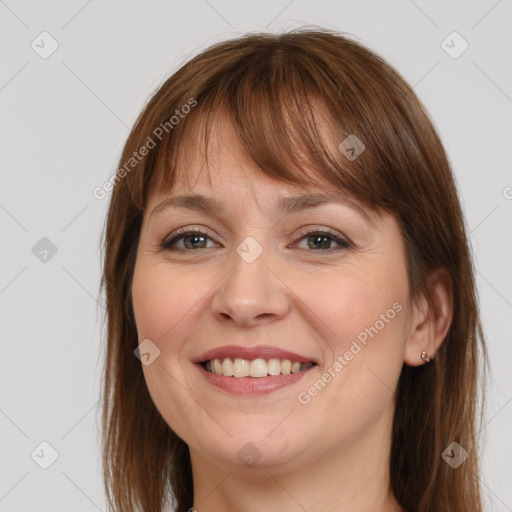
(250, 294)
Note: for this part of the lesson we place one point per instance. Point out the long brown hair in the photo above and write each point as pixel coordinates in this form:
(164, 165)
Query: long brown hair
(274, 88)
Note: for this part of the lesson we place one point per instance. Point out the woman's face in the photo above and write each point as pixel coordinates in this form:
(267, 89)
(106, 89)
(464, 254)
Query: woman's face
(308, 297)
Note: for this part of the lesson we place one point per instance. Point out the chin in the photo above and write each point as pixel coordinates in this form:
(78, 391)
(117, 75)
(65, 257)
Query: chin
(251, 448)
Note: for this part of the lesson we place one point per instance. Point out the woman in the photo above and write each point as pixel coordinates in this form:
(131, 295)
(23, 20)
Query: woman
(292, 315)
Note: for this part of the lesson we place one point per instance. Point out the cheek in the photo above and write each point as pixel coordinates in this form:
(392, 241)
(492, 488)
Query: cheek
(162, 298)
(355, 307)
(368, 352)
(163, 304)
(366, 314)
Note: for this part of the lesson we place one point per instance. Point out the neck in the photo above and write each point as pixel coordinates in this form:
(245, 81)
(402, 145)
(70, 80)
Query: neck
(354, 476)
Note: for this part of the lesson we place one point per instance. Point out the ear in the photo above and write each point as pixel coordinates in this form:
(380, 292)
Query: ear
(431, 322)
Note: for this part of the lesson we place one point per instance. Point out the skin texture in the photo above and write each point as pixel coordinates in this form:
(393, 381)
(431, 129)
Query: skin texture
(331, 453)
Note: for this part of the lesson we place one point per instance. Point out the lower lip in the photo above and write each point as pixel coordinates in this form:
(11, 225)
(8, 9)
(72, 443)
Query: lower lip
(252, 385)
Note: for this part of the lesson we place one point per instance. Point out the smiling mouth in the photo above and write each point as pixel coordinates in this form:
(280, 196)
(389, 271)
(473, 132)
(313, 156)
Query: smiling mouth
(240, 368)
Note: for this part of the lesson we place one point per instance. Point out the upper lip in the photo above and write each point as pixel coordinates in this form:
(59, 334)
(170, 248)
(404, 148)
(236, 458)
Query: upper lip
(251, 353)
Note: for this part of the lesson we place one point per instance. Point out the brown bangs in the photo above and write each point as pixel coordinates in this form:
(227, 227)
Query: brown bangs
(291, 113)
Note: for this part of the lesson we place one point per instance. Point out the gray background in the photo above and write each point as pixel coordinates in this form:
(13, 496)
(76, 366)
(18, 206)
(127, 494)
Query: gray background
(64, 120)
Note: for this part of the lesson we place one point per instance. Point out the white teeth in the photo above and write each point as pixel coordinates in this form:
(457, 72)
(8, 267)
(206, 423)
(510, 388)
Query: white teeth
(258, 368)
(241, 367)
(227, 368)
(254, 368)
(217, 366)
(286, 366)
(274, 367)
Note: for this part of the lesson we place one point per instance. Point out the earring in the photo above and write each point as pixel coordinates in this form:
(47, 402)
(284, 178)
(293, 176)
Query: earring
(425, 357)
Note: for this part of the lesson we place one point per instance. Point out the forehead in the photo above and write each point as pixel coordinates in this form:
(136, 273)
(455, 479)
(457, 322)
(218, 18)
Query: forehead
(212, 166)
(231, 175)
(210, 156)
(227, 189)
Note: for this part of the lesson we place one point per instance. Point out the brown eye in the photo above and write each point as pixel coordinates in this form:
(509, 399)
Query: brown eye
(192, 239)
(322, 241)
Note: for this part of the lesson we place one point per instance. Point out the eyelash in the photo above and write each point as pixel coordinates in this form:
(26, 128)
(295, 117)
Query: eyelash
(167, 245)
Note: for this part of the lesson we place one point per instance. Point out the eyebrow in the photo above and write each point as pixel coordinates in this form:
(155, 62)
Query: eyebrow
(285, 205)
